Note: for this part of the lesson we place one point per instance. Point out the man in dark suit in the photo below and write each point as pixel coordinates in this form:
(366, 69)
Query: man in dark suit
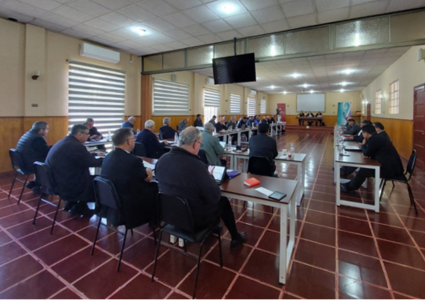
(165, 131)
(379, 148)
(129, 124)
(359, 137)
(131, 180)
(310, 114)
(154, 149)
(352, 128)
(319, 115)
(219, 126)
(380, 129)
(95, 135)
(69, 163)
(263, 146)
(301, 115)
(212, 121)
(242, 122)
(182, 173)
(198, 121)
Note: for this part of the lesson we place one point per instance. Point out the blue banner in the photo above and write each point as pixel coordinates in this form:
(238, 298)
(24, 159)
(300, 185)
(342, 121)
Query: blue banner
(344, 112)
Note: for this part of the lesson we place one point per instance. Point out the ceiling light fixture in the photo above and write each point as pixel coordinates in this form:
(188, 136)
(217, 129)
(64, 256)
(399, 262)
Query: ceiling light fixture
(272, 87)
(284, 92)
(311, 91)
(228, 8)
(348, 71)
(272, 50)
(343, 83)
(357, 40)
(295, 75)
(141, 31)
(342, 90)
(305, 85)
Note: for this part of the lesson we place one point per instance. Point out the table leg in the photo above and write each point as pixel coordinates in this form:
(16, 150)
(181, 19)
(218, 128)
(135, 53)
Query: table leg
(338, 188)
(239, 138)
(377, 184)
(283, 238)
(301, 178)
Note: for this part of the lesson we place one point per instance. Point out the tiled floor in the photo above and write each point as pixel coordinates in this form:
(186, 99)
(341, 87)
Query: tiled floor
(339, 253)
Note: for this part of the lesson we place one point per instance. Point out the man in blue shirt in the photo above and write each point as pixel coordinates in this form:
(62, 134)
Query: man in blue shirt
(129, 124)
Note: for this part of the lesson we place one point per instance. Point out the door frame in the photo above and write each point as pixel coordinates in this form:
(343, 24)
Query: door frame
(415, 88)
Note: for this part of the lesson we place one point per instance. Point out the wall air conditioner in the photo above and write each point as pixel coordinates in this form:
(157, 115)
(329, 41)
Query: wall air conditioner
(253, 92)
(99, 53)
(210, 81)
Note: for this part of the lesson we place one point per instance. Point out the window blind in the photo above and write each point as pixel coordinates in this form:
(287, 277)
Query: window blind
(170, 98)
(98, 93)
(263, 105)
(212, 98)
(235, 104)
(252, 102)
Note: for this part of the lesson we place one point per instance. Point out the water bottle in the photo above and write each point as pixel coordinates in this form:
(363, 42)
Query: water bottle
(229, 143)
(292, 148)
(176, 138)
(138, 131)
(109, 136)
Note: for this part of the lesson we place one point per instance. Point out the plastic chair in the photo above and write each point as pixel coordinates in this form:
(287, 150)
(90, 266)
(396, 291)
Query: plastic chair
(403, 179)
(106, 196)
(17, 164)
(175, 213)
(139, 149)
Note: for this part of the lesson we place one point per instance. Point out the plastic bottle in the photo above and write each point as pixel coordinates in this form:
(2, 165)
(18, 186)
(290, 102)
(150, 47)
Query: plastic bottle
(176, 138)
(292, 148)
(229, 143)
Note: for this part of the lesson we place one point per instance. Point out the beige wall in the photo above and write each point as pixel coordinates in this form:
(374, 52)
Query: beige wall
(331, 102)
(26, 48)
(410, 73)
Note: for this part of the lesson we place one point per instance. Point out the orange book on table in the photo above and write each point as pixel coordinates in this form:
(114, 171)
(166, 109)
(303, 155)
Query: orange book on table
(251, 182)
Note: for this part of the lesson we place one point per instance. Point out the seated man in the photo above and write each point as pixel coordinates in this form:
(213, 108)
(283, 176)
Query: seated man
(181, 173)
(250, 121)
(69, 163)
(262, 145)
(310, 115)
(380, 129)
(242, 122)
(359, 137)
(129, 123)
(154, 149)
(33, 147)
(165, 131)
(198, 121)
(95, 135)
(301, 115)
(381, 149)
(182, 124)
(232, 123)
(212, 147)
(212, 121)
(257, 120)
(319, 115)
(219, 126)
(131, 180)
(352, 128)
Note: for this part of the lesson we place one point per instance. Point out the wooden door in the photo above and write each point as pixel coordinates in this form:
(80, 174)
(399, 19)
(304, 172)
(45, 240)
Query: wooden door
(419, 125)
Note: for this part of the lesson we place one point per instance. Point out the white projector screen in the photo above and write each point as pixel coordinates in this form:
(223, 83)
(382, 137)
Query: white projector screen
(311, 102)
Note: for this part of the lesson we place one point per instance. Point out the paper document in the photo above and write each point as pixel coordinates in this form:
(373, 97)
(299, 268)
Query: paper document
(264, 191)
(148, 165)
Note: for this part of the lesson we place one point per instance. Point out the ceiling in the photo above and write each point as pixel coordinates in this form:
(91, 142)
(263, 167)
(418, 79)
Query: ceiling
(178, 24)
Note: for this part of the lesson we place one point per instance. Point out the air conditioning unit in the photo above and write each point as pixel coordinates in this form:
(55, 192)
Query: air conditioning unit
(99, 53)
(210, 81)
(253, 92)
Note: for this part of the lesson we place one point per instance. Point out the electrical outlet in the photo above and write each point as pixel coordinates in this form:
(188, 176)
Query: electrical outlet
(34, 105)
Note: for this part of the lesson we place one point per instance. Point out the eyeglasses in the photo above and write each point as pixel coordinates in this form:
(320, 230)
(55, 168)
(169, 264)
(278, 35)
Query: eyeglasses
(85, 132)
(200, 143)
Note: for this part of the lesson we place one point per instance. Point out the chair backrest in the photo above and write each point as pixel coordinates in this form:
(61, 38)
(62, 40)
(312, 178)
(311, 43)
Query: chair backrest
(16, 159)
(139, 149)
(175, 211)
(203, 156)
(411, 164)
(260, 166)
(43, 178)
(105, 193)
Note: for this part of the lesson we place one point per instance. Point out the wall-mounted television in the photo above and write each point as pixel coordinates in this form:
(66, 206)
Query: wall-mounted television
(232, 69)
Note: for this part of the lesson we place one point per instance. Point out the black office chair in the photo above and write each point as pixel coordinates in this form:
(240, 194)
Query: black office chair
(175, 213)
(110, 207)
(403, 179)
(260, 166)
(17, 165)
(43, 179)
(203, 156)
(139, 149)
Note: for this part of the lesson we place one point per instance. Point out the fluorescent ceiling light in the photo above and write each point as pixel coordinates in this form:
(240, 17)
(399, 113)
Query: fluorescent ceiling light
(228, 8)
(272, 50)
(348, 71)
(295, 75)
(305, 85)
(343, 83)
(272, 87)
(141, 31)
(342, 90)
(284, 92)
(311, 91)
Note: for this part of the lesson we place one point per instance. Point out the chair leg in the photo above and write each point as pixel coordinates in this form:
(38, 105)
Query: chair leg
(197, 268)
(36, 211)
(154, 234)
(393, 185)
(95, 237)
(13, 183)
(56, 214)
(23, 188)
(382, 181)
(122, 249)
(382, 190)
(156, 254)
(131, 230)
(412, 199)
(219, 249)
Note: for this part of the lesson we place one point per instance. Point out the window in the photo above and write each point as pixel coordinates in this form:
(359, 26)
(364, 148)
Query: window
(98, 93)
(212, 100)
(378, 102)
(263, 105)
(170, 98)
(251, 107)
(235, 104)
(394, 98)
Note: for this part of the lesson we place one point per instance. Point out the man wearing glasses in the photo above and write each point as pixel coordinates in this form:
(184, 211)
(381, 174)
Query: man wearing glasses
(69, 163)
(181, 173)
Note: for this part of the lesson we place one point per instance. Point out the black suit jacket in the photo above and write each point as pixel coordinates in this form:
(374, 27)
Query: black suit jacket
(94, 131)
(198, 123)
(166, 132)
(263, 146)
(381, 149)
(218, 127)
(153, 148)
(69, 163)
(137, 196)
(384, 134)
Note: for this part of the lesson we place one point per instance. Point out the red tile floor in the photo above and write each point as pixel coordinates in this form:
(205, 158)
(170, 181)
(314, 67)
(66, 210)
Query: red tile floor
(339, 253)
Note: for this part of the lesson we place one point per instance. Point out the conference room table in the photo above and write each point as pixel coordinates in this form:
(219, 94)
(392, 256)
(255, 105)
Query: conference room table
(357, 160)
(310, 119)
(98, 143)
(235, 188)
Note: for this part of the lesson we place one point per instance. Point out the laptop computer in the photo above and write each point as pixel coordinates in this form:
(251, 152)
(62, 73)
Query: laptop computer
(243, 126)
(223, 144)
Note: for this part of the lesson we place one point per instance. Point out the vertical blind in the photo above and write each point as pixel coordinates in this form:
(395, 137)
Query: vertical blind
(251, 107)
(263, 104)
(170, 98)
(212, 98)
(98, 93)
(235, 104)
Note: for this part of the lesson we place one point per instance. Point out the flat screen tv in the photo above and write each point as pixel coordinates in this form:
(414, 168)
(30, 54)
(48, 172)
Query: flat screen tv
(232, 69)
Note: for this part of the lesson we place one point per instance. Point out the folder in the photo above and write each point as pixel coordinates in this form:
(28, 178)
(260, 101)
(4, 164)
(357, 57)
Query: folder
(251, 182)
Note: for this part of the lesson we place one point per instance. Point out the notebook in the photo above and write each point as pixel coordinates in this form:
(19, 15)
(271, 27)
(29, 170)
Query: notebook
(251, 182)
